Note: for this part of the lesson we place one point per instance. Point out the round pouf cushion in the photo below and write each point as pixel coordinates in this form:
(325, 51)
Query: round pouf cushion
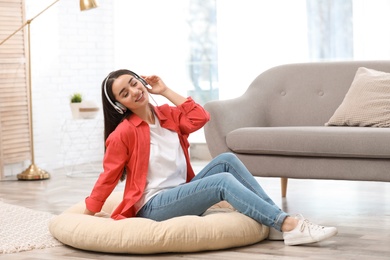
(218, 228)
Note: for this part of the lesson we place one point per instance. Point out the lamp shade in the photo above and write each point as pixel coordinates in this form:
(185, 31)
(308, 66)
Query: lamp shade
(87, 4)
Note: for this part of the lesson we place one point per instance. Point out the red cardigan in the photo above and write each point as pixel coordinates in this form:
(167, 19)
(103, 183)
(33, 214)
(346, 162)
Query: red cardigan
(128, 146)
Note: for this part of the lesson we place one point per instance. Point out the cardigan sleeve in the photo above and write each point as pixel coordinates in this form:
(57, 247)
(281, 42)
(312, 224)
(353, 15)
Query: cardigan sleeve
(114, 162)
(189, 116)
(193, 116)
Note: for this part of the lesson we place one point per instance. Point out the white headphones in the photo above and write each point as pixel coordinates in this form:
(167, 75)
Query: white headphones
(121, 109)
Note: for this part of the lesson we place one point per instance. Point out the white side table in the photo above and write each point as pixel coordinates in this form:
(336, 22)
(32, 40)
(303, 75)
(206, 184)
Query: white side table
(82, 146)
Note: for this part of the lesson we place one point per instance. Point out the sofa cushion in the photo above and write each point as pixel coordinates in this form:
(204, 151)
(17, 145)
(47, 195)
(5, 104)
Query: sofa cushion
(367, 102)
(316, 141)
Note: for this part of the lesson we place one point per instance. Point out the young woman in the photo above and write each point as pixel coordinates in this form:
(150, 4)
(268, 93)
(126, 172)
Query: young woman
(147, 146)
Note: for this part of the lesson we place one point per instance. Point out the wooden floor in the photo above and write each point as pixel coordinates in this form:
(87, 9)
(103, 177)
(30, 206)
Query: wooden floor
(360, 210)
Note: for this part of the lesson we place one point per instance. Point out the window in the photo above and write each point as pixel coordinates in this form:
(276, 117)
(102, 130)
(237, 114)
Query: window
(214, 49)
(330, 30)
(203, 52)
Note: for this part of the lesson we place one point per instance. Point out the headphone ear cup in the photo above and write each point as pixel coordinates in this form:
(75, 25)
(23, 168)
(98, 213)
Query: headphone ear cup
(122, 107)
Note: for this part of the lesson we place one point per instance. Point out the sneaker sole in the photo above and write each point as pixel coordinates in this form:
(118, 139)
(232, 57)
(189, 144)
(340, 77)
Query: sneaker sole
(309, 240)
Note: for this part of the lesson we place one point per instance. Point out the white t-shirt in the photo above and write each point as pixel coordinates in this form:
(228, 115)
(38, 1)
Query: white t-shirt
(167, 163)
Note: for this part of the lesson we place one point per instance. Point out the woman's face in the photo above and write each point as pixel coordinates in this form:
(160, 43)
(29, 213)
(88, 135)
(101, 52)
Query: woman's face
(130, 92)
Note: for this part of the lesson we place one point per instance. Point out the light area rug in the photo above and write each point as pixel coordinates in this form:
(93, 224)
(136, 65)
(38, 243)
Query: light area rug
(23, 229)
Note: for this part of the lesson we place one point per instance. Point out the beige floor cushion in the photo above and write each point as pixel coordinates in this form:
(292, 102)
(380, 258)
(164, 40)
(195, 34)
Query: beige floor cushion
(220, 227)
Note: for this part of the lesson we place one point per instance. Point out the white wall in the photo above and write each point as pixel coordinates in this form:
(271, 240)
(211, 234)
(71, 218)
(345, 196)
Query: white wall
(256, 35)
(151, 38)
(71, 52)
(371, 29)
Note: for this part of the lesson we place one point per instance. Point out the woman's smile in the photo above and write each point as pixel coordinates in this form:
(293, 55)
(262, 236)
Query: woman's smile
(140, 97)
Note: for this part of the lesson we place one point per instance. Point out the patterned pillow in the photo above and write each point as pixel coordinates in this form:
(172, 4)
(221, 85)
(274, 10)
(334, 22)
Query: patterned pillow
(367, 102)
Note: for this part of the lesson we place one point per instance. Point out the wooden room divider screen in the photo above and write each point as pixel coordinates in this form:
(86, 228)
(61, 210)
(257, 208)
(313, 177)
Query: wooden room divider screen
(15, 146)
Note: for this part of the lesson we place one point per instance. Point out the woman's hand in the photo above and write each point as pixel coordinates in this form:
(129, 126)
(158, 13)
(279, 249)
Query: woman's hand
(158, 86)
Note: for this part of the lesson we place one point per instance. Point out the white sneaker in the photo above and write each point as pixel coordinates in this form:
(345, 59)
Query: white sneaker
(306, 232)
(275, 235)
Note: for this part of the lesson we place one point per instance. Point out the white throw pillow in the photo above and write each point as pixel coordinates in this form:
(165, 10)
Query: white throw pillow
(367, 102)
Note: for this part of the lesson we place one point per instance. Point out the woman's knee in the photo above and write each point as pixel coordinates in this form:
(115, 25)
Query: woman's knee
(226, 179)
(228, 157)
(227, 183)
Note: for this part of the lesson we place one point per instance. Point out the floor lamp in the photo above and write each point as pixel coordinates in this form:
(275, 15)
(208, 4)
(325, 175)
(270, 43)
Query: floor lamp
(33, 172)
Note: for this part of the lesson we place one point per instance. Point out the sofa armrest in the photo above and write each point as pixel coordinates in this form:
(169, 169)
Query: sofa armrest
(228, 115)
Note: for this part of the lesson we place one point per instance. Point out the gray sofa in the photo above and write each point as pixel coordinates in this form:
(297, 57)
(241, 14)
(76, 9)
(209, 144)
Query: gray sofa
(277, 126)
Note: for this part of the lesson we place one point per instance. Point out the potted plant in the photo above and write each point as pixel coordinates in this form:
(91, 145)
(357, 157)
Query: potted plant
(75, 103)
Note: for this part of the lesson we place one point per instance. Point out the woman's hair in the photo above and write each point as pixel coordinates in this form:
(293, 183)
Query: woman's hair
(111, 117)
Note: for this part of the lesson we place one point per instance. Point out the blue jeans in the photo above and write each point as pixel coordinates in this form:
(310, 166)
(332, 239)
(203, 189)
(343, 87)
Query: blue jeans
(224, 178)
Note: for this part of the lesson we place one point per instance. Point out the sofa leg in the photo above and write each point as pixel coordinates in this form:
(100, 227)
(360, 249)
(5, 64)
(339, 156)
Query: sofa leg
(283, 182)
